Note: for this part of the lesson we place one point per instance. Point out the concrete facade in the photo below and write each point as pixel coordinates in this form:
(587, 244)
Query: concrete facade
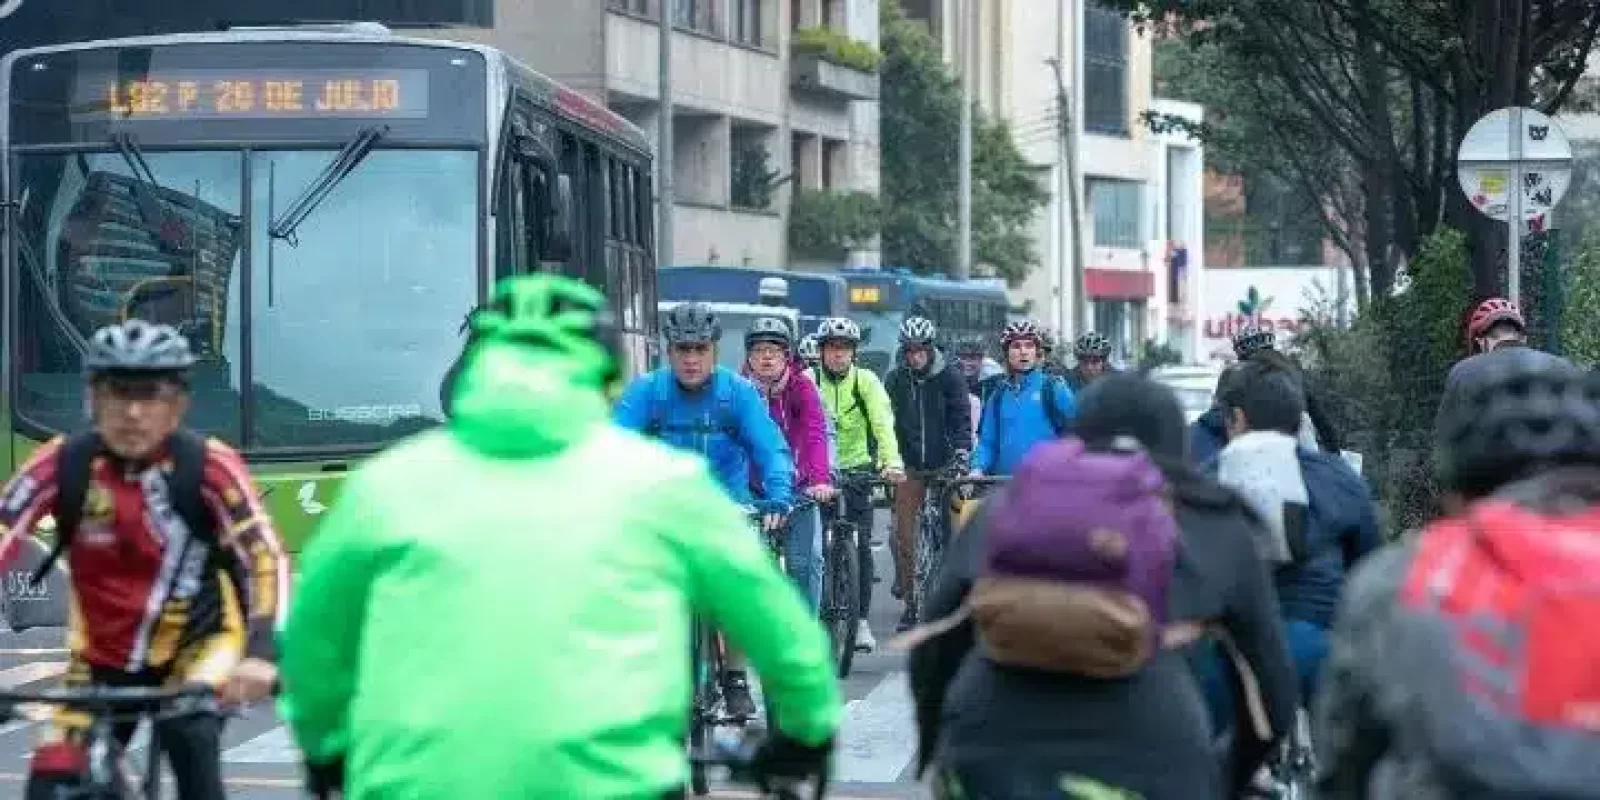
(739, 91)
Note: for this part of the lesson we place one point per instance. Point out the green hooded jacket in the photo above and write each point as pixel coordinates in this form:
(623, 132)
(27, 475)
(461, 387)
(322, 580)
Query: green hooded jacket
(501, 608)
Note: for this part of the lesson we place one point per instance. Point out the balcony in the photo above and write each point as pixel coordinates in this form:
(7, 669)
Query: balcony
(826, 62)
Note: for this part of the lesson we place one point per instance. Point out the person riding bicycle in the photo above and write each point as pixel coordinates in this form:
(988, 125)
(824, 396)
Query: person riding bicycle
(1091, 355)
(177, 575)
(1517, 455)
(933, 426)
(1495, 324)
(694, 404)
(562, 558)
(1023, 408)
(796, 405)
(863, 420)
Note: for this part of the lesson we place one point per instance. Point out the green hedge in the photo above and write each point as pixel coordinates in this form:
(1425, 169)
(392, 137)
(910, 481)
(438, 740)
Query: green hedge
(837, 48)
(829, 224)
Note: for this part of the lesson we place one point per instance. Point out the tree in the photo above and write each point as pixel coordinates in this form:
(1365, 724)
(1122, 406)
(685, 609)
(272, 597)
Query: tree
(920, 111)
(1388, 87)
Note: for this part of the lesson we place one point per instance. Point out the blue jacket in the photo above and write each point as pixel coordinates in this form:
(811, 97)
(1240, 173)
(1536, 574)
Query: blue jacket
(1207, 437)
(726, 421)
(1014, 419)
(1342, 527)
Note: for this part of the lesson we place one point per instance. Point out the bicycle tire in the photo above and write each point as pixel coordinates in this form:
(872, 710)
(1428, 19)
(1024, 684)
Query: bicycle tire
(843, 587)
(928, 550)
(703, 656)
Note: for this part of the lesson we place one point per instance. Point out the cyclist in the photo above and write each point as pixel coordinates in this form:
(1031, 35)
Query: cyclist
(698, 406)
(808, 350)
(863, 421)
(565, 556)
(176, 573)
(1518, 456)
(1495, 323)
(1090, 354)
(1024, 407)
(933, 426)
(1317, 431)
(794, 403)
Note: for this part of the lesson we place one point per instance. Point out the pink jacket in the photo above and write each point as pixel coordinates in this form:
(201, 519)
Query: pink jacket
(796, 406)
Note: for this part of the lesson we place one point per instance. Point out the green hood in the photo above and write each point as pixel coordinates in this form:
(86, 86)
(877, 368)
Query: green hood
(514, 401)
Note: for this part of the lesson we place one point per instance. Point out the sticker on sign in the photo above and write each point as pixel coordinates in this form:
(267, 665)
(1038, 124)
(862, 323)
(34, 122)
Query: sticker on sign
(1490, 155)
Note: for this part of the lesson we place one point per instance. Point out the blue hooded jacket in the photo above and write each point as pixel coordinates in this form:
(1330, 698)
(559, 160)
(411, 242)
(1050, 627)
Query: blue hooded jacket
(1014, 419)
(1207, 436)
(1342, 528)
(726, 421)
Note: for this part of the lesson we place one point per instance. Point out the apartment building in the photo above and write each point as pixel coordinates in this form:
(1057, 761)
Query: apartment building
(766, 101)
(1130, 240)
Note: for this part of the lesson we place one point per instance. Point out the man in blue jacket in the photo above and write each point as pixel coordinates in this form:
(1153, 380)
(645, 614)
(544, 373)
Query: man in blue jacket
(1023, 408)
(698, 406)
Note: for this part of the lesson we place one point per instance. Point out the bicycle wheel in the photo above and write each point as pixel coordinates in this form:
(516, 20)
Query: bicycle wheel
(842, 595)
(703, 655)
(929, 547)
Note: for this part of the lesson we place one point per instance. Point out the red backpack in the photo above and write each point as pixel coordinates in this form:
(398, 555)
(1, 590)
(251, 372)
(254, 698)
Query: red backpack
(1496, 655)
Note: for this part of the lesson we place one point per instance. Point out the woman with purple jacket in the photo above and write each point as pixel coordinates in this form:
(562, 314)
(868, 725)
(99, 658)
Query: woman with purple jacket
(794, 403)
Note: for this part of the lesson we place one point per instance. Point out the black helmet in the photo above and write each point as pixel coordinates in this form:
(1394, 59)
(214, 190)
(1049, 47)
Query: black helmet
(691, 323)
(970, 346)
(1519, 415)
(769, 329)
(1091, 344)
(138, 346)
(1252, 338)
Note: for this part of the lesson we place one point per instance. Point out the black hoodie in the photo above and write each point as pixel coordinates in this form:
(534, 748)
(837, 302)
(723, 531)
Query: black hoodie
(932, 412)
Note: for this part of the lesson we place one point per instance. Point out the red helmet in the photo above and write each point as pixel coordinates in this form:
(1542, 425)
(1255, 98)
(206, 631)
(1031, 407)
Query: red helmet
(1491, 311)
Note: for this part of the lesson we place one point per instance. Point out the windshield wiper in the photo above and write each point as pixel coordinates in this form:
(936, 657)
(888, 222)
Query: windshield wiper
(340, 168)
(147, 190)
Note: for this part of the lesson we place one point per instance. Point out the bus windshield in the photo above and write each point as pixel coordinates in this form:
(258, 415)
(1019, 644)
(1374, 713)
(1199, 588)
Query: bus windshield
(351, 324)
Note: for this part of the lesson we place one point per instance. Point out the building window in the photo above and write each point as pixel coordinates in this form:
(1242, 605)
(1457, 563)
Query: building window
(747, 22)
(1105, 71)
(1115, 206)
(698, 15)
(643, 8)
(834, 164)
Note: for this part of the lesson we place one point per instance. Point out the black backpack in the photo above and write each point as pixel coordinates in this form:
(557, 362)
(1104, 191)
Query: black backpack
(73, 463)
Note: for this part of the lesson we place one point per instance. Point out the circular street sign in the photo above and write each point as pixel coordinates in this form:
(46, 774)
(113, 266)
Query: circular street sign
(1490, 157)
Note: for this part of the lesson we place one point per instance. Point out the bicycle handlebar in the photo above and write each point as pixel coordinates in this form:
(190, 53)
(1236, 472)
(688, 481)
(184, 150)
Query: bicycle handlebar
(111, 700)
(972, 480)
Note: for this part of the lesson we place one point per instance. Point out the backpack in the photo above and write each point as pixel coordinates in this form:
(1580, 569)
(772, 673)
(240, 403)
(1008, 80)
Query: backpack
(1080, 554)
(726, 423)
(1495, 661)
(76, 458)
(860, 407)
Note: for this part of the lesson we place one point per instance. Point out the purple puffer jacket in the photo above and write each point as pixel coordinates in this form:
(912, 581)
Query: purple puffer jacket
(796, 405)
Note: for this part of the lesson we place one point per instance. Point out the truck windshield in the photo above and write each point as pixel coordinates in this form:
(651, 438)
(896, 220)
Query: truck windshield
(350, 332)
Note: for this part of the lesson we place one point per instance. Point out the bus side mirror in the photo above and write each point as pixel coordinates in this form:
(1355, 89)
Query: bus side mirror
(558, 230)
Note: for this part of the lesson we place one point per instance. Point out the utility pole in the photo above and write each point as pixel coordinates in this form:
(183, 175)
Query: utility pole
(664, 143)
(1067, 183)
(966, 52)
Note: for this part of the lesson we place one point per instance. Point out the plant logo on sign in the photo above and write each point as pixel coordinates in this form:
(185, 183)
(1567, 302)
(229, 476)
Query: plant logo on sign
(1254, 305)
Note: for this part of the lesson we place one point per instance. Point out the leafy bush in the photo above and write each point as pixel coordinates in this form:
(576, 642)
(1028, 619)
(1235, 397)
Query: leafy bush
(1580, 335)
(837, 48)
(825, 223)
(753, 180)
(1382, 377)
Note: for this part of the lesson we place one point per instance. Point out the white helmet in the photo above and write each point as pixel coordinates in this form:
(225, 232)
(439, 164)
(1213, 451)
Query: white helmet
(809, 349)
(918, 330)
(837, 328)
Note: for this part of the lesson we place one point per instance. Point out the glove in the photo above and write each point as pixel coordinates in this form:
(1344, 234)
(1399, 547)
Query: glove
(773, 507)
(787, 759)
(325, 780)
(960, 463)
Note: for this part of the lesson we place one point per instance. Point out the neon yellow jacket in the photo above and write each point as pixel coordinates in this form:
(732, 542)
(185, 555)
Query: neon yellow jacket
(852, 421)
(501, 608)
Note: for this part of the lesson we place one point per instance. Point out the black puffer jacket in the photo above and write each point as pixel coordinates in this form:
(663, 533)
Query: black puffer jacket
(932, 413)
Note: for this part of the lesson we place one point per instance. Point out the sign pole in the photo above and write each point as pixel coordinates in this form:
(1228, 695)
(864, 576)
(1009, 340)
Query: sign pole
(1514, 219)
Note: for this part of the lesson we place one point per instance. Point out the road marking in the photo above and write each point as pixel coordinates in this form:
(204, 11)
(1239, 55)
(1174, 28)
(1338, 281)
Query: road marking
(30, 673)
(35, 651)
(273, 747)
(875, 745)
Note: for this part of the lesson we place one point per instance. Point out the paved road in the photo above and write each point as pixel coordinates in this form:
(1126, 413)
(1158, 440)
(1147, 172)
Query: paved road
(875, 749)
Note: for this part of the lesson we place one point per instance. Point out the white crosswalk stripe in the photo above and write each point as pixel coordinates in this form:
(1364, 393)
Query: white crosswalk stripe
(876, 743)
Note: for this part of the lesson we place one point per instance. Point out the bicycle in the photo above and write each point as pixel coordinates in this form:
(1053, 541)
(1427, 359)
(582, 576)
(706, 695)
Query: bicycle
(708, 660)
(739, 758)
(933, 530)
(109, 775)
(843, 572)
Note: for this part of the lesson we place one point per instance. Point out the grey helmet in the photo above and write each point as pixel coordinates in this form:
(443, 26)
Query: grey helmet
(835, 329)
(1091, 345)
(691, 323)
(810, 351)
(918, 331)
(769, 329)
(138, 346)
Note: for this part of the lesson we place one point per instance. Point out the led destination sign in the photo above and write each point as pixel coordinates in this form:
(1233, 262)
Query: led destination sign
(260, 94)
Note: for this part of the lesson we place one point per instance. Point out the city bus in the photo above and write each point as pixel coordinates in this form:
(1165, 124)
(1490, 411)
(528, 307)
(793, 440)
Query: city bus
(880, 299)
(816, 296)
(318, 209)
